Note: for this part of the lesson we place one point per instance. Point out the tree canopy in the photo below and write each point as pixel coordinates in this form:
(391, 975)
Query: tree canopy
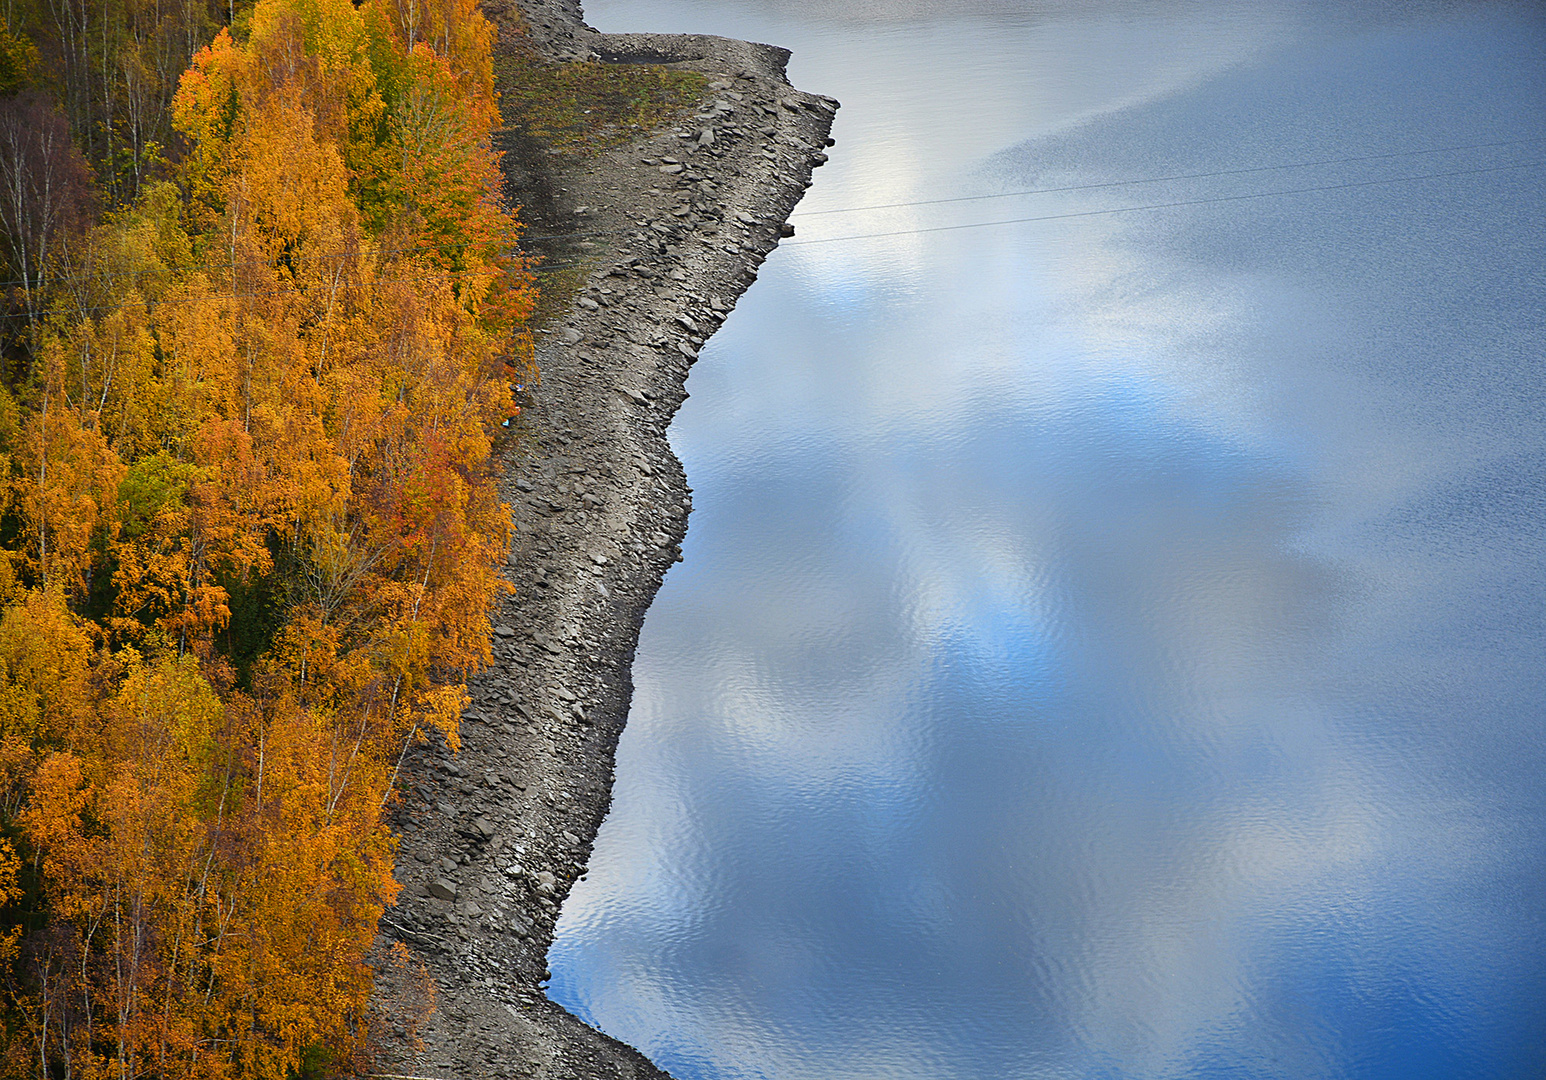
(251, 536)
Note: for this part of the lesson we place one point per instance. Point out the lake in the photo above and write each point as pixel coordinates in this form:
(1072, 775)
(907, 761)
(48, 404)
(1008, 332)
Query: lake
(1112, 635)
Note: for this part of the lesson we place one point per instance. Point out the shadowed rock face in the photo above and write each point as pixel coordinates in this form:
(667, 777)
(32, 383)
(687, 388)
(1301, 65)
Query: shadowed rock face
(492, 837)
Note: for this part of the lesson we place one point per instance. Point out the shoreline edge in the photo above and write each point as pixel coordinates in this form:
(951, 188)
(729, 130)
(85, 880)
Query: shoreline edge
(492, 838)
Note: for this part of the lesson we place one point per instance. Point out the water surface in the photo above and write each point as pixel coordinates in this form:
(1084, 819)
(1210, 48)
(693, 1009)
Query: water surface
(1110, 644)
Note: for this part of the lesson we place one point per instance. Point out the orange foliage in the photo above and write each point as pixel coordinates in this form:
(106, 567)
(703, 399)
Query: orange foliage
(258, 544)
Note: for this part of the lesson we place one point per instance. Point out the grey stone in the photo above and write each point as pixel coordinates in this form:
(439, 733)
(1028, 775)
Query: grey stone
(537, 751)
(443, 889)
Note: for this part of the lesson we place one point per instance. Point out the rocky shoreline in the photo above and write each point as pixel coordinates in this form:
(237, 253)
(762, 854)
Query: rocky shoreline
(493, 837)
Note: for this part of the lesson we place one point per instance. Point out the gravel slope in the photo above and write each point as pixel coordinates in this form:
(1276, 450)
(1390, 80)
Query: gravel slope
(493, 837)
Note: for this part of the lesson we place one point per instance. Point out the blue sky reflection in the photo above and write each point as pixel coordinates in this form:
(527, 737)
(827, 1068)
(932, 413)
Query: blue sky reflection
(1107, 646)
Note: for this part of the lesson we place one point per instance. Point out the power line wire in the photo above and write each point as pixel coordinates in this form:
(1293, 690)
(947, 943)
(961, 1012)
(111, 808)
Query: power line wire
(1165, 179)
(547, 267)
(1166, 205)
(1243, 171)
(101, 308)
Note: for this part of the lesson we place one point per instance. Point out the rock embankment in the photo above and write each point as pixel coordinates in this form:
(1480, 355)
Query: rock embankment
(670, 231)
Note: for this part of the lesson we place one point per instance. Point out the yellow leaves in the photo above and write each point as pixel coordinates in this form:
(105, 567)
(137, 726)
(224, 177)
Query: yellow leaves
(165, 715)
(446, 177)
(442, 711)
(453, 29)
(195, 329)
(316, 49)
(46, 694)
(69, 479)
(223, 882)
(258, 456)
(10, 892)
(10, 884)
(321, 871)
(52, 822)
(154, 556)
(326, 32)
(45, 651)
(122, 807)
(205, 109)
(107, 364)
(294, 200)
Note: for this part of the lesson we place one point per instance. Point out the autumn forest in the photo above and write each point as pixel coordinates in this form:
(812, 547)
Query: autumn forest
(263, 311)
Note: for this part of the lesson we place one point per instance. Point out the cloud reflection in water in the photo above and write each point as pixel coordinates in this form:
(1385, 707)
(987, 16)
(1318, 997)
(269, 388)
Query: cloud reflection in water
(1112, 647)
